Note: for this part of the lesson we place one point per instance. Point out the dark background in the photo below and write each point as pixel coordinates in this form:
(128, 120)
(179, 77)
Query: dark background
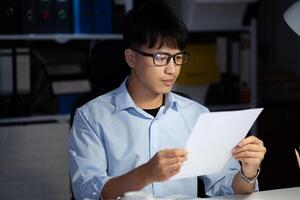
(279, 93)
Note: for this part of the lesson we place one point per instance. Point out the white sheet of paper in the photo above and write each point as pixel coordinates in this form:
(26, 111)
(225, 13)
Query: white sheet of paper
(213, 137)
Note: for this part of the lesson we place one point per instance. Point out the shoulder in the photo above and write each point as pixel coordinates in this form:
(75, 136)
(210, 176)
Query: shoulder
(188, 104)
(190, 110)
(103, 104)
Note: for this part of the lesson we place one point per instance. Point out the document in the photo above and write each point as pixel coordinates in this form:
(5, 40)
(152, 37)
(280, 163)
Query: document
(213, 137)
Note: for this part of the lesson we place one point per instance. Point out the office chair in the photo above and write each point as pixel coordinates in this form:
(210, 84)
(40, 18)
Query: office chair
(107, 65)
(108, 68)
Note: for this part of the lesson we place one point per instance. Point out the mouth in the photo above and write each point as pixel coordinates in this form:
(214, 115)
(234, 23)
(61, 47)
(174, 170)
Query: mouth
(168, 82)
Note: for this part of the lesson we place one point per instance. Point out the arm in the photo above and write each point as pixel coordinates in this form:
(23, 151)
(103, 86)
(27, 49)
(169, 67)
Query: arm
(86, 157)
(250, 152)
(88, 164)
(161, 167)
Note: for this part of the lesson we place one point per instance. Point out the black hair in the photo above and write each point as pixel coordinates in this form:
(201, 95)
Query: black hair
(154, 22)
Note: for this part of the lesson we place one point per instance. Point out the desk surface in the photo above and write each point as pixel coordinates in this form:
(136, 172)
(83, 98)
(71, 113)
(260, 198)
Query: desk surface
(279, 194)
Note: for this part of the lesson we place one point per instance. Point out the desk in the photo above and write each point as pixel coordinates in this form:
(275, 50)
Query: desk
(279, 194)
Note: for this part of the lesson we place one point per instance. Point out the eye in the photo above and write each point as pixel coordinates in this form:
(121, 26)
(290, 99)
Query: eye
(161, 57)
(178, 57)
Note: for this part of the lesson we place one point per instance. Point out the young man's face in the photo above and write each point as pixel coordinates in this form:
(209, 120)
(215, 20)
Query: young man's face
(150, 77)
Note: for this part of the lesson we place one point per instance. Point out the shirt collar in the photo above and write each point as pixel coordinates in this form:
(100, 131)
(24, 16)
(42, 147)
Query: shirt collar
(124, 100)
(170, 101)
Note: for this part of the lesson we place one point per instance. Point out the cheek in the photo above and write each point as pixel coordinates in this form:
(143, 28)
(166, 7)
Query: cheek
(178, 69)
(150, 74)
(146, 70)
(177, 72)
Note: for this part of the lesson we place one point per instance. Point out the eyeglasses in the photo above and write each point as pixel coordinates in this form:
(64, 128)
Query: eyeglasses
(162, 58)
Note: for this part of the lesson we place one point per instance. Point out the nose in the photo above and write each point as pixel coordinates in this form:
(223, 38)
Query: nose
(170, 67)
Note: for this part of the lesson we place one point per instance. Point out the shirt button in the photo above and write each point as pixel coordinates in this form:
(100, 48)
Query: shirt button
(94, 195)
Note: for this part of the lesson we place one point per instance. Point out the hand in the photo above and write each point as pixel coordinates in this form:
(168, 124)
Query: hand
(165, 164)
(250, 151)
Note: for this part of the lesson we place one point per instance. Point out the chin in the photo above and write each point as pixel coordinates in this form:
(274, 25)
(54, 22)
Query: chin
(164, 91)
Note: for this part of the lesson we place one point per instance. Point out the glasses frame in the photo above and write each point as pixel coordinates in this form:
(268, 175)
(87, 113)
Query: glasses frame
(163, 53)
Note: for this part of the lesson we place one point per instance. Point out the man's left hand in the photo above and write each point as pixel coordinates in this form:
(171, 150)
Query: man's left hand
(250, 151)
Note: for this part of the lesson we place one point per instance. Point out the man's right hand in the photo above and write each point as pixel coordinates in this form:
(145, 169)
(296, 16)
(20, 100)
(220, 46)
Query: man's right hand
(165, 164)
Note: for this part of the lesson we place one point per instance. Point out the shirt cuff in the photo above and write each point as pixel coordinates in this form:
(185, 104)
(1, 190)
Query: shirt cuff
(228, 190)
(95, 187)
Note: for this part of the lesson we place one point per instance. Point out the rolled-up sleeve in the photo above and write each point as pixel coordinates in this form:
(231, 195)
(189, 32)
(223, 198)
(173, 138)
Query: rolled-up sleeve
(220, 184)
(87, 158)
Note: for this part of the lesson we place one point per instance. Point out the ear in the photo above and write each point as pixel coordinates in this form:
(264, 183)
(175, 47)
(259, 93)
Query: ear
(130, 57)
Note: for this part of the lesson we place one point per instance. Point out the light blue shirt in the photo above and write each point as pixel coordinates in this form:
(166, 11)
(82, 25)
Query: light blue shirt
(111, 136)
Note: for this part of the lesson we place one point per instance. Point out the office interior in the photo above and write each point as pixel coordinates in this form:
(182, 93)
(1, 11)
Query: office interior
(248, 58)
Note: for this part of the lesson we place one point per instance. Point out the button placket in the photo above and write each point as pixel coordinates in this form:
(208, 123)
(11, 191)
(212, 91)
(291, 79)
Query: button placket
(154, 138)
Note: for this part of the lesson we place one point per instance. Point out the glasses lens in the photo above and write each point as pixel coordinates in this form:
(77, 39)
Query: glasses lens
(181, 58)
(160, 59)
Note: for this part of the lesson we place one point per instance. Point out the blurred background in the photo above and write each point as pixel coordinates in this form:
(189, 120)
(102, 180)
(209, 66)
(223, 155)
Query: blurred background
(243, 55)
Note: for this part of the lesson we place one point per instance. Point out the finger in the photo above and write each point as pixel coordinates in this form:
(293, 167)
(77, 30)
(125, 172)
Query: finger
(172, 173)
(173, 152)
(249, 155)
(250, 140)
(174, 160)
(168, 171)
(249, 147)
(174, 168)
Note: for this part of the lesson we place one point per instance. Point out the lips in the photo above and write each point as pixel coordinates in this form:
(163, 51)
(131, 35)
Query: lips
(168, 82)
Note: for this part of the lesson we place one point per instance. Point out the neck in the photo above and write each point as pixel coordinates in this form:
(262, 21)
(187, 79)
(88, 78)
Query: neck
(142, 97)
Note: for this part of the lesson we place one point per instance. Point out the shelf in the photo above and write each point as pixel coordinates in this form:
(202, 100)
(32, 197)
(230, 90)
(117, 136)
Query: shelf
(35, 119)
(214, 32)
(224, 1)
(60, 38)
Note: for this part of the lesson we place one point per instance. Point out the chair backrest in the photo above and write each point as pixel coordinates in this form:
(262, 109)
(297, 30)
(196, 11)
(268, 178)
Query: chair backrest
(107, 70)
(108, 67)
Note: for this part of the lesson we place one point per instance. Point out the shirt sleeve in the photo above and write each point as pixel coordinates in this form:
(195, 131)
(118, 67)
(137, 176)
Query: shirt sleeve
(87, 158)
(220, 184)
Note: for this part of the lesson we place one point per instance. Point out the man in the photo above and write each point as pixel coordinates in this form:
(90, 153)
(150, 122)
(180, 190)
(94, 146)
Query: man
(132, 138)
